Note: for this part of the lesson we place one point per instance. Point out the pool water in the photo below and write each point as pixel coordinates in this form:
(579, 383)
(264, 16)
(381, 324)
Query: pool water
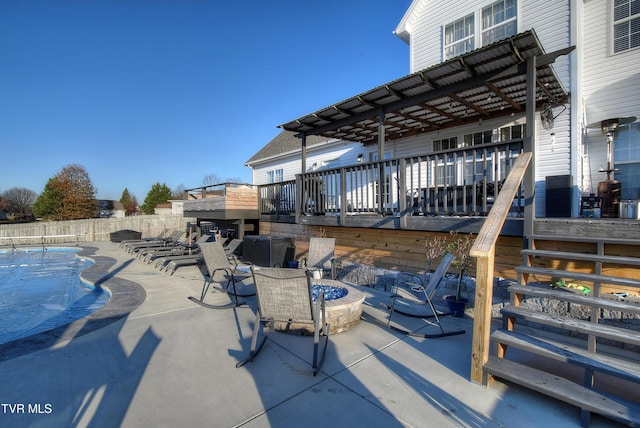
(41, 290)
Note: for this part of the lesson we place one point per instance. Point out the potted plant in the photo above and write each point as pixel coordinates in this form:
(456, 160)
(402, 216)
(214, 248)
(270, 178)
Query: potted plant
(434, 248)
(460, 247)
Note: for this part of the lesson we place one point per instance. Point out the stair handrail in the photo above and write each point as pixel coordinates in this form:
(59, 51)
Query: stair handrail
(483, 250)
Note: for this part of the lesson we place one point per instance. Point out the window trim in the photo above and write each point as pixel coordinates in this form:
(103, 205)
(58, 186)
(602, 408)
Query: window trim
(495, 26)
(612, 29)
(450, 143)
(471, 37)
(478, 31)
(274, 174)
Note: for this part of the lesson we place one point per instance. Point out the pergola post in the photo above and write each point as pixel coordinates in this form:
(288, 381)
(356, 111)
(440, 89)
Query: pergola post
(381, 136)
(381, 169)
(299, 177)
(530, 146)
(403, 192)
(299, 194)
(303, 140)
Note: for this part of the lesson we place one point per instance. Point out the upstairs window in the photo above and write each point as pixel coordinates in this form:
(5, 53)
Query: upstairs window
(626, 25)
(458, 37)
(499, 21)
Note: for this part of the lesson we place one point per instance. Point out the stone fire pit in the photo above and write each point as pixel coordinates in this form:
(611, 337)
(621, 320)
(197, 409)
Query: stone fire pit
(342, 314)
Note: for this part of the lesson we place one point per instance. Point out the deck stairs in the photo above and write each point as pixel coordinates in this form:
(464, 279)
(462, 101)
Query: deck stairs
(589, 319)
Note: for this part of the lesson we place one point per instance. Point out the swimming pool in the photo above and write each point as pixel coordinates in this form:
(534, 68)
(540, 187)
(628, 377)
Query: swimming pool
(41, 290)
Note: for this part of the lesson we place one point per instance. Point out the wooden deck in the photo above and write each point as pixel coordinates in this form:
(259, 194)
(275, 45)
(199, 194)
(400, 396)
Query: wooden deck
(228, 205)
(404, 249)
(223, 202)
(398, 242)
(614, 228)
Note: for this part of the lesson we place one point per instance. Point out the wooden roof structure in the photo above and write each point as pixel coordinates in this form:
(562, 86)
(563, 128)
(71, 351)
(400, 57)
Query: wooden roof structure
(489, 82)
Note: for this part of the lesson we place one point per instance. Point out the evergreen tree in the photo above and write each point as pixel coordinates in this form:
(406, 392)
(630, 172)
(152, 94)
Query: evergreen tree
(159, 194)
(69, 195)
(130, 203)
(48, 201)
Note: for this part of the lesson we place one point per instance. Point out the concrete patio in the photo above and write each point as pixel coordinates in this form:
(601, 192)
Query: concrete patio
(171, 362)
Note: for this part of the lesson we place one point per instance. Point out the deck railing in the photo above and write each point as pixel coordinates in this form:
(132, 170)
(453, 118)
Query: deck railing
(222, 196)
(484, 250)
(278, 199)
(449, 182)
(213, 190)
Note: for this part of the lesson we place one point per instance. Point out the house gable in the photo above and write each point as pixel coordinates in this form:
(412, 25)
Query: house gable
(284, 142)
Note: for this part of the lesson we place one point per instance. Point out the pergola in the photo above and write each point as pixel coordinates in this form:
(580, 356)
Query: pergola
(489, 82)
(511, 77)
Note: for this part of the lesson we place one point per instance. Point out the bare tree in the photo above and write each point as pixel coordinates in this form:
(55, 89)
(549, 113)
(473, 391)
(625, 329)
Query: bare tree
(211, 179)
(19, 200)
(235, 180)
(178, 191)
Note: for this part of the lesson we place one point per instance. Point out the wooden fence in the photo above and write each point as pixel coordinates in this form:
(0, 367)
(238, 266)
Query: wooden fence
(89, 230)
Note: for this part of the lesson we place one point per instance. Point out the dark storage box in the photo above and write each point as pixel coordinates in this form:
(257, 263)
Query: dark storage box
(558, 196)
(124, 235)
(268, 251)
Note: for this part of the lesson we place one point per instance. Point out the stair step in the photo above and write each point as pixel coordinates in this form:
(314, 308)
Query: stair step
(562, 255)
(567, 296)
(589, 277)
(571, 324)
(592, 240)
(610, 365)
(563, 389)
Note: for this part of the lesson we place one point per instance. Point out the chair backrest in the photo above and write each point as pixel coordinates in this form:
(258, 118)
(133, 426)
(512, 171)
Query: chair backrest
(214, 257)
(283, 294)
(436, 277)
(232, 246)
(174, 235)
(321, 252)
(204, 238)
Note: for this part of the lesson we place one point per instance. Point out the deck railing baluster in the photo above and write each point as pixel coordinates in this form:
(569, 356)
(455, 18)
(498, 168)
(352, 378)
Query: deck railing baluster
(450, 182)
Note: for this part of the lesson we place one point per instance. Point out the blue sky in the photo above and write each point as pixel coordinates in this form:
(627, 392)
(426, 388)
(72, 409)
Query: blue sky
(169, 91)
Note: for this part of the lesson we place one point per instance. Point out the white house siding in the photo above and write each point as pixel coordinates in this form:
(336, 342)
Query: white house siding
(611, 84)
(290, 167)
(611, 81)
(416, 145)
(551, 21)
(426, 29)
(549, 18)
(322, 156)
